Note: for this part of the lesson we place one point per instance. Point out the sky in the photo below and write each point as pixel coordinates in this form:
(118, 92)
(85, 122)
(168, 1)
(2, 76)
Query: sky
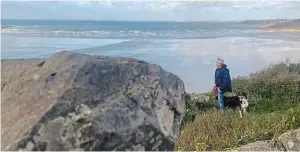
(159, 10)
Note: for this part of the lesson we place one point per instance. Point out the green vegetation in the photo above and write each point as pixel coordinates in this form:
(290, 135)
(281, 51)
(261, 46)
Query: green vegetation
(190, 110)
(274, 98)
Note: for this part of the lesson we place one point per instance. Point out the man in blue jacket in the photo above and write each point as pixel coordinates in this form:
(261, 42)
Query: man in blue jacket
(222, 81)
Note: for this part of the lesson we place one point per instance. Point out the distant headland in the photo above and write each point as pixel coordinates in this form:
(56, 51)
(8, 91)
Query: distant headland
(284, 25)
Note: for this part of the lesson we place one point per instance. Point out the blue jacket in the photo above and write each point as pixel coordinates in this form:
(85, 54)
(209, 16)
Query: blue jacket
(222, 79)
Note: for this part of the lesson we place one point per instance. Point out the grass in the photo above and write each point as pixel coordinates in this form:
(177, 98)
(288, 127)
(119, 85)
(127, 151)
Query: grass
(274, 97)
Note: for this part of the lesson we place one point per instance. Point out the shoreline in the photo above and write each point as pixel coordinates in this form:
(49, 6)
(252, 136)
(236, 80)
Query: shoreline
(192, 64)
(290, 30)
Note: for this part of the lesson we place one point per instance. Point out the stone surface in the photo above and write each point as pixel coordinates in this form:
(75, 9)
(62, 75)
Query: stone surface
(72, 101)
(199, 98)
(291, 140)
(202, 102)
(262, 146)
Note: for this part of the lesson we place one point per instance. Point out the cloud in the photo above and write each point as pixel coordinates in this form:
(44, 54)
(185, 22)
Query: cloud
(152, 10)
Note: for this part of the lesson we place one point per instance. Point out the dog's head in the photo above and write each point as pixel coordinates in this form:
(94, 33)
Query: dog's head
(243, 97)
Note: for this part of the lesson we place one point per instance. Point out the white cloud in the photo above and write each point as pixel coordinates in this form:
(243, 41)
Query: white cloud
(154, 10)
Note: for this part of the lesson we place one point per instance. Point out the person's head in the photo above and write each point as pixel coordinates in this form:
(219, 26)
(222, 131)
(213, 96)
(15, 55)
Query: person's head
(219, 62)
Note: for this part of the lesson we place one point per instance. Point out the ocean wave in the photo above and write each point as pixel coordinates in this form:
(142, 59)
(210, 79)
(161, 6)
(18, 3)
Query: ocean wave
(172, 34)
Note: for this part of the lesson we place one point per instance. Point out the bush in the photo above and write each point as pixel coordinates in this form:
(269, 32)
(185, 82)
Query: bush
(190, 110)
(195, 104)
(217, 130)
(274, 88)
(274, 108)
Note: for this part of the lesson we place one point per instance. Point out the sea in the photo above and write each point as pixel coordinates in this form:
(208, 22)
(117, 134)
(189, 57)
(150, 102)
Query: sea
(187, 49)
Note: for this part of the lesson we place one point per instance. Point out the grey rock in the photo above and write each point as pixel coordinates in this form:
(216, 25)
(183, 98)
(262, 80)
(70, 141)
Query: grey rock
(271, 145)
(202, 102)
(291, 140)
(199, 98)
(72, 101)
(29, 146)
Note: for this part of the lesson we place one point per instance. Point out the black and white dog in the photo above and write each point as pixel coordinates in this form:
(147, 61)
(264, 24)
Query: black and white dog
(240, 102)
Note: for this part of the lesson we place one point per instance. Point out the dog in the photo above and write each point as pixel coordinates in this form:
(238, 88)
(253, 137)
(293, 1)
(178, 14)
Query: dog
(240, 102)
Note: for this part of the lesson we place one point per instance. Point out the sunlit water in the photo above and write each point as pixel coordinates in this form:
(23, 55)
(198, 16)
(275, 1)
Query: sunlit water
(190, 56)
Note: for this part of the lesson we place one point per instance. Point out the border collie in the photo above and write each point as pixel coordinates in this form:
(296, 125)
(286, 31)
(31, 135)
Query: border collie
(240, 102)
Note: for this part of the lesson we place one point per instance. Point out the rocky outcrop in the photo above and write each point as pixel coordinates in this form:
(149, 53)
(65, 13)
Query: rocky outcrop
(202, 102)
(72, 101)
(199, 98)
(289, 141)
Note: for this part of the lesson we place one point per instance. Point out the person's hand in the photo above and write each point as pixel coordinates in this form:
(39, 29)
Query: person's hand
(214, 85)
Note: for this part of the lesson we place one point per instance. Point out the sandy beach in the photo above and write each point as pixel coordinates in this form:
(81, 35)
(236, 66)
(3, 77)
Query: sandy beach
(284, 30)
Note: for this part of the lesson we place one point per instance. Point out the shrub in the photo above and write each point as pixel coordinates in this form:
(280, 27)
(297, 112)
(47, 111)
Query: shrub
(190, 110)
(274, 98)
(195, 104)
(274, 88)
(217, 130)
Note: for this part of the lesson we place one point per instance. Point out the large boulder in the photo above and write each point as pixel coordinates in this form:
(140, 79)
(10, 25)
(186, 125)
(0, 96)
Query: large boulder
(72, 101)
(291, 140)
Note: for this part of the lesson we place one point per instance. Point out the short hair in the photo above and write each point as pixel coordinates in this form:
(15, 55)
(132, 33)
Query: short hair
(220, 60)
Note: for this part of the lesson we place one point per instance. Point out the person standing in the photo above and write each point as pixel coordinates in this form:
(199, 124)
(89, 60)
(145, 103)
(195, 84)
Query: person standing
(222, 81)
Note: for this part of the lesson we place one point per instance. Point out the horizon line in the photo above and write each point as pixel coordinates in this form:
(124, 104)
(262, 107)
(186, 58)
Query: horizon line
(151, 20)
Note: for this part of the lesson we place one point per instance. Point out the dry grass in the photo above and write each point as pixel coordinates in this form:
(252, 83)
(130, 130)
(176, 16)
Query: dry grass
(218, 130)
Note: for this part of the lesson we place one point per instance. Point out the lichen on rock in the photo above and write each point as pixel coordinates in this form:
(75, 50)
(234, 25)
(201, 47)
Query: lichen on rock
(72, 101)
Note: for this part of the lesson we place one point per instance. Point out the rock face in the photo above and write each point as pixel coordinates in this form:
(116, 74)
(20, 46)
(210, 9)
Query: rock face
(202, 102)
(72, 101)
(289, 141)
(199, 98)
(262, 146)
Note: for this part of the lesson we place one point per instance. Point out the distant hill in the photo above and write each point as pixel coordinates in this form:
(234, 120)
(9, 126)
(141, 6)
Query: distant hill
(263, 22)
(291, 24)
(274, 24)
